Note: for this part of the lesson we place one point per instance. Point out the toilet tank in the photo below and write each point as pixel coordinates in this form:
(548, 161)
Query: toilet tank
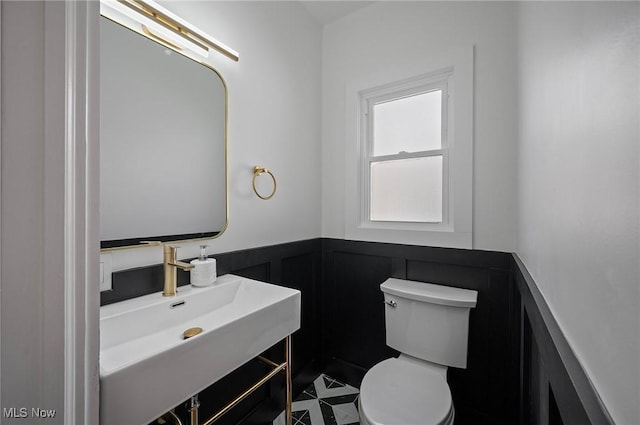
(427, 321)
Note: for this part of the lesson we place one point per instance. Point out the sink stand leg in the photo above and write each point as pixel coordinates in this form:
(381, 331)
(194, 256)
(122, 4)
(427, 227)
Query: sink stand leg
(193, 410)
(287, 359)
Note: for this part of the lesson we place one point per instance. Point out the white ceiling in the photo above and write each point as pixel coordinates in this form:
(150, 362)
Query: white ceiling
(327, 11)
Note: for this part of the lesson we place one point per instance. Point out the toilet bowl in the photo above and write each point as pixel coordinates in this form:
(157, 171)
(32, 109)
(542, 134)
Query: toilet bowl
(428, 325)
(402, 391)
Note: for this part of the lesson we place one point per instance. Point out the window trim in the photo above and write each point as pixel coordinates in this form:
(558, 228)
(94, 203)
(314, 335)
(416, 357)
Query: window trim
(368, 99)
(459, 233)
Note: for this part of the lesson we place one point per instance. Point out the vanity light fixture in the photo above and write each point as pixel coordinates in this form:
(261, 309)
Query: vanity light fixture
(156, 22)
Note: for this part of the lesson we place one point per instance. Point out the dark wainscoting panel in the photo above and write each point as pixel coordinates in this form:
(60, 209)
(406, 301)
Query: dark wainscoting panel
(299, 272)
(554, 388)
(356, 311)
(353, 318)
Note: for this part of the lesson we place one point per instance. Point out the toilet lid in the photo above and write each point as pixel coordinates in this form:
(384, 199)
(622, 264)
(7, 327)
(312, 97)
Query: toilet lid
(398, 392)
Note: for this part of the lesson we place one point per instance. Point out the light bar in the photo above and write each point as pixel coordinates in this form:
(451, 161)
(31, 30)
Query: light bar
(149, 18)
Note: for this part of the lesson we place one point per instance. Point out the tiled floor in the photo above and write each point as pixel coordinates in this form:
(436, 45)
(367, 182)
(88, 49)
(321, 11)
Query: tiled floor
(325, 402)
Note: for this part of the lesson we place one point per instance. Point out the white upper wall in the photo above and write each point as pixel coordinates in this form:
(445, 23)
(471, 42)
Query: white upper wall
(274, 121)
(396, 35)
(579, 66)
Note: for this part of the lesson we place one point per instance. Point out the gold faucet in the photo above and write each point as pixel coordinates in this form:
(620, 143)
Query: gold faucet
(171, 264)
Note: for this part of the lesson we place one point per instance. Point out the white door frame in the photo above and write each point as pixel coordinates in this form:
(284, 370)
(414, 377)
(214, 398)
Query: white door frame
(81, 213)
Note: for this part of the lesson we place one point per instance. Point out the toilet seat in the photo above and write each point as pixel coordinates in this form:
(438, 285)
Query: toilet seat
(399, 392)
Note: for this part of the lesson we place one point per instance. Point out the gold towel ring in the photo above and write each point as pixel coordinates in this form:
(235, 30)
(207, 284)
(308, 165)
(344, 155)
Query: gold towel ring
(261, 170)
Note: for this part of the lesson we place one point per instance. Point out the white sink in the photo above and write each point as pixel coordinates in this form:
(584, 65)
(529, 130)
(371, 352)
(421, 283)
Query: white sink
(147, 368)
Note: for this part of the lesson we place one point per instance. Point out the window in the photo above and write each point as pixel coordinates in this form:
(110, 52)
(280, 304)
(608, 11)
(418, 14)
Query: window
(409, 153)
(405, 148)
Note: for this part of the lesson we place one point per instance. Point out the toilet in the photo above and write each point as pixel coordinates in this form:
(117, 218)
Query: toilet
(429, 325)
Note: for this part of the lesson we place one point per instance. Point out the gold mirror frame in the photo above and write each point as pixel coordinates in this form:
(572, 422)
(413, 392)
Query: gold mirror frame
(137, 242)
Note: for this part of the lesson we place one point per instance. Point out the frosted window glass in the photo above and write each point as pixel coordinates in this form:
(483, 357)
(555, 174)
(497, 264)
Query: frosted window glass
(407, 190)
(410, 124)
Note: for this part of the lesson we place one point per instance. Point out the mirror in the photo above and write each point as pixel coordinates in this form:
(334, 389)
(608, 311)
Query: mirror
(163, 149)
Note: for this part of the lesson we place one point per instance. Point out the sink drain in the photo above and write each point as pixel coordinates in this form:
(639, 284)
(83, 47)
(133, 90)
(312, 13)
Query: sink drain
(191, 332)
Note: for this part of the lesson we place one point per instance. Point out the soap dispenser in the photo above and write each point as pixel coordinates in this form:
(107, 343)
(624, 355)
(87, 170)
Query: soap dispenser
(204, 271)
